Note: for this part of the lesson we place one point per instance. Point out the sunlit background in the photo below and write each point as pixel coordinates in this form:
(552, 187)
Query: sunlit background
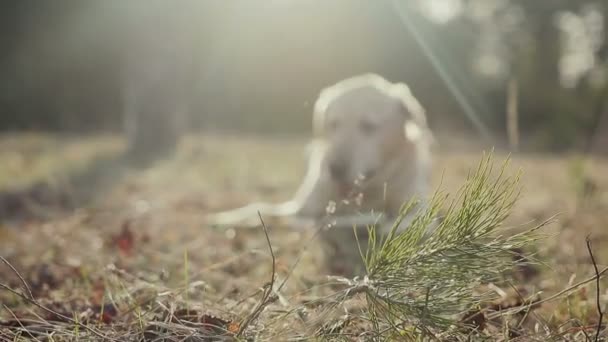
(257, 66)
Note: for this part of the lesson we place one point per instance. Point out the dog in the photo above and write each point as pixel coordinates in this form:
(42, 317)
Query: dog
(370, 154)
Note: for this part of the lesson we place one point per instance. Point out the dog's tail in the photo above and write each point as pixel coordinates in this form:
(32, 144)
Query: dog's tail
(248, 215)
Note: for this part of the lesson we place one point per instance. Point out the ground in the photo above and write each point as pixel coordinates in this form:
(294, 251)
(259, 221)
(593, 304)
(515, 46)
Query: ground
(127, 248)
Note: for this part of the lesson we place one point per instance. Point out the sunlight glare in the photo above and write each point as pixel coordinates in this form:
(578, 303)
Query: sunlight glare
(441, 11)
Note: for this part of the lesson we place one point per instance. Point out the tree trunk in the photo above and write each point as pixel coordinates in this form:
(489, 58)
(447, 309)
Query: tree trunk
(158, 83)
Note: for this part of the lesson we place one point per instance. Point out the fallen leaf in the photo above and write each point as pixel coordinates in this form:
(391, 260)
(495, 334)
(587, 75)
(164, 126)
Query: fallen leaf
(125, 241)
(106, 314)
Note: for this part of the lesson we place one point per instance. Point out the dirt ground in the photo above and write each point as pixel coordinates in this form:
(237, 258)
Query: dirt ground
(132, 242)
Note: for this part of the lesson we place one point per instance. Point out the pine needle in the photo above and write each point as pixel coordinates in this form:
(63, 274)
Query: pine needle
(424, 276)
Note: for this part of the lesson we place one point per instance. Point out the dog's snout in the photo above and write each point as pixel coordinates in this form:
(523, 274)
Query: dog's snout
(337, 169)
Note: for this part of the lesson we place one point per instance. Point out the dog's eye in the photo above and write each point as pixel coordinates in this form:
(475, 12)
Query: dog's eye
(368, 127)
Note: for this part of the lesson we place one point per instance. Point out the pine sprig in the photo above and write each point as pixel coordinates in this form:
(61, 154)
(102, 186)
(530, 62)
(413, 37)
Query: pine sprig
(424, 274)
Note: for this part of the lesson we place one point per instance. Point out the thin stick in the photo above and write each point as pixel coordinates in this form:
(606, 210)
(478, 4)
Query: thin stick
(597, 294)
(19, 321)
(268, 288)
(269, 247)
(29, 291)
(512, 114)
(557, 295)
(186, 282)
(33, 301)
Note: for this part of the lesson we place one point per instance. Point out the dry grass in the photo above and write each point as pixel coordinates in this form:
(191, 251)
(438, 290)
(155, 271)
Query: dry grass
(139, 263)
(30, 158)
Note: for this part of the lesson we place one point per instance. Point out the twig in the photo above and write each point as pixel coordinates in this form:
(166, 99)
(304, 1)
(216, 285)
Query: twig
(273, 276)
(268, 288)
(512, 114)
(597, 294)
(557, 295)
(29, 291)
(33, 301)
(529, 304)
(18, 321)
(51, 311)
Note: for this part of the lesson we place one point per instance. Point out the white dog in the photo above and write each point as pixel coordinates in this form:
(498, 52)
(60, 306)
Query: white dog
(370, 155)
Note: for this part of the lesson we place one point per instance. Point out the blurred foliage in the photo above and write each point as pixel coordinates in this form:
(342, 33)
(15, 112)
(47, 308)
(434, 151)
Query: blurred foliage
(258, 66)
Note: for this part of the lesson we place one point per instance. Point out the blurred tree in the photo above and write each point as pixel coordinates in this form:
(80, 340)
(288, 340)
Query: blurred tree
(531, 43)
(258, 66)
(158, 78)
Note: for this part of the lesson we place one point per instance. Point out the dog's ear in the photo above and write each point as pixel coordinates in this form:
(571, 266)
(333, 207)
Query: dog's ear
(415, 127)
(326, 96)
(411, 107)
(412, 131)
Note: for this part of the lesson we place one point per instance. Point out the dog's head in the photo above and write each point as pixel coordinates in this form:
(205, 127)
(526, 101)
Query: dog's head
(367, 122)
